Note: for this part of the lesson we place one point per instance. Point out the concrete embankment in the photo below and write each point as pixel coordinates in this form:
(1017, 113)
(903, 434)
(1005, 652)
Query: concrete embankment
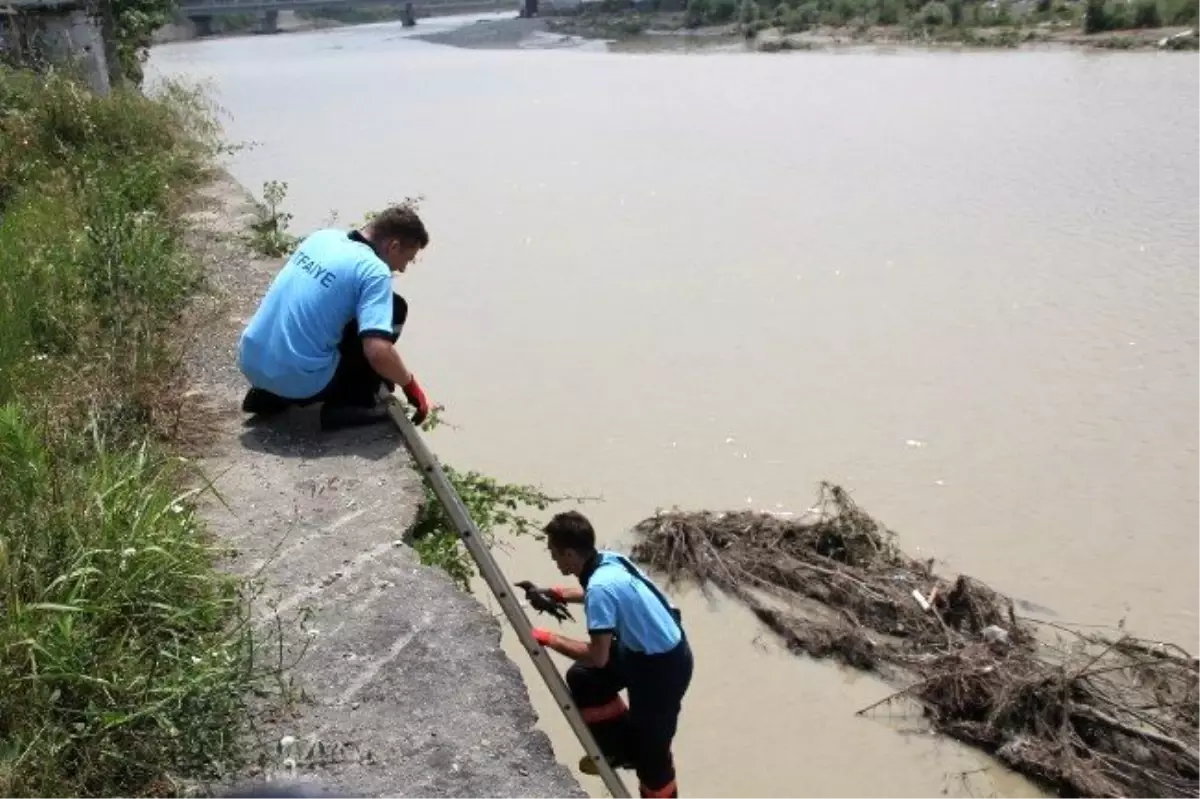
(406, 691)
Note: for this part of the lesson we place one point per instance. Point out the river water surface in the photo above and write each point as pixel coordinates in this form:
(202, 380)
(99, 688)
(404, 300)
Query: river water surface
(962, 285)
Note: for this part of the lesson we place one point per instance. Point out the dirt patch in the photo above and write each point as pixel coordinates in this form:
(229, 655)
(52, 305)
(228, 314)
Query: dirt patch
(1085, 714)
(403, 689)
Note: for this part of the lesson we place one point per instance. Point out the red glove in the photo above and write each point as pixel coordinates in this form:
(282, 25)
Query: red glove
(556, 591)
(416, 396)
(542, 636)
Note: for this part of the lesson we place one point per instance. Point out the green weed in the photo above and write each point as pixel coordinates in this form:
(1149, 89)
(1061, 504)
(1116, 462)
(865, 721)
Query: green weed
(269, 234)
(492, 504)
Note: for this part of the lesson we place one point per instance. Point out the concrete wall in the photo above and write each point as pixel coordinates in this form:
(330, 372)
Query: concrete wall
(64, 37)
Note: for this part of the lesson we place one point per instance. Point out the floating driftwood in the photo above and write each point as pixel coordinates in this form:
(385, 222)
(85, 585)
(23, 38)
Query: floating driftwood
(1083, 713)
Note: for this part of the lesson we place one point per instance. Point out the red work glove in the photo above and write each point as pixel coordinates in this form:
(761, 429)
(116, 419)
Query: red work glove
(542, 636)
(416, 396)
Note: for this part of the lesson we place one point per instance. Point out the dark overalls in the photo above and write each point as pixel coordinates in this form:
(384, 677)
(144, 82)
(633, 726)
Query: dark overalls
(638, 735)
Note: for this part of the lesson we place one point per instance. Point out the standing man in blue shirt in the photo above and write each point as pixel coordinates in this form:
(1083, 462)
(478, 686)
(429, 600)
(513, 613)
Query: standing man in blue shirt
(325, 330)
(636, 643)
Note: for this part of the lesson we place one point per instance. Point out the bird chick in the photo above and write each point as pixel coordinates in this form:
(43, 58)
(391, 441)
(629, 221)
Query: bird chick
(542, 601)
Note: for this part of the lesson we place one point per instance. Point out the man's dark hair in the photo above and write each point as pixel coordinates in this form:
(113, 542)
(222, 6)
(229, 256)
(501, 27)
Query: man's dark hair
(400, 222)
(571, 530)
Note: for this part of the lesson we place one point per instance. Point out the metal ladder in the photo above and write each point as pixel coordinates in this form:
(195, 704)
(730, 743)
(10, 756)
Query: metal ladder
(490, 570)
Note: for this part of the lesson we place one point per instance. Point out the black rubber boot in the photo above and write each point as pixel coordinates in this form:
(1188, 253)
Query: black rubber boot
(339, 417)
(263, 403)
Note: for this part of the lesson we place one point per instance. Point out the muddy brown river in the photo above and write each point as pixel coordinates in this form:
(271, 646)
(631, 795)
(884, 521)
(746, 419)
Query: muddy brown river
(963, 285)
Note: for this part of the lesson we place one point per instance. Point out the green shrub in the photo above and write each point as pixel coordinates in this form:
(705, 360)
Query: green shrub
(1002, 14)
(1118, 14)
(709, 12)
(723, 11)
(1094, 18)
(750, 14)
(492, 505)
(1183, 12)
(935, 14)
(697, 13)
(846, 11)
(890, 12)
(1146, 14)
(797, 20)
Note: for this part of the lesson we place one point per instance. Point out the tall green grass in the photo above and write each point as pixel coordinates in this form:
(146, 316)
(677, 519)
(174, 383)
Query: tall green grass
(124, 655)
(123, 652)
(90, 245)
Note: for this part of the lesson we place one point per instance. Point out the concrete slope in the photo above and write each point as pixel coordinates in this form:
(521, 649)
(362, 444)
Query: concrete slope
(407, 692)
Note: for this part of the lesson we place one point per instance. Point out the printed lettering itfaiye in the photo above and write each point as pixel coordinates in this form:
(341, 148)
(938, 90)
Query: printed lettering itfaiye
(318, 272)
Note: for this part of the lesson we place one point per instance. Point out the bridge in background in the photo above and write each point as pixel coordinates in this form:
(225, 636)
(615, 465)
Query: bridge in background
(201, 12)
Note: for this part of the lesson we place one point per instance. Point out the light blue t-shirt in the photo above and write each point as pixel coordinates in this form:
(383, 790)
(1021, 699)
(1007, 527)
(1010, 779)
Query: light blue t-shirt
(290, 346)
(616, 601)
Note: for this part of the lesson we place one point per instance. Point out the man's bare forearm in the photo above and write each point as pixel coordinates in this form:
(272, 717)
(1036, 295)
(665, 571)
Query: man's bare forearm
(593, 654)
(386, 362)
(575, 650)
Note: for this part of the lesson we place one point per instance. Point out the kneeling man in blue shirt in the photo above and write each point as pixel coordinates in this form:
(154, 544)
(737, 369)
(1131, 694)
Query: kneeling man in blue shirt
(326, 329)
(637, 644)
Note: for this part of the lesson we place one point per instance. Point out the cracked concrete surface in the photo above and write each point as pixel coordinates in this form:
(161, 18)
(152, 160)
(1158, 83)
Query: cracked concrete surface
(408, 691)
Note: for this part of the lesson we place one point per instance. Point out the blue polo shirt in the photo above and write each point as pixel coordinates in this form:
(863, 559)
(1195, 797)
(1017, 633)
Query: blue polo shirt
(617, 601)
(290, 346)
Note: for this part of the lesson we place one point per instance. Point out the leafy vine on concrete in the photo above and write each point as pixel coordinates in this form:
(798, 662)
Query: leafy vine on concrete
(134, 23)
(492, 504)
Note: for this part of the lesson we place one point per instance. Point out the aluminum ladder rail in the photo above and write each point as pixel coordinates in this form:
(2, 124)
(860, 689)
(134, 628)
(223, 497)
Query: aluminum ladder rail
(468, 531)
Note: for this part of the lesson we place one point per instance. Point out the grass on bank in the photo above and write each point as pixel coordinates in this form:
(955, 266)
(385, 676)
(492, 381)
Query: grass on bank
(124, 655)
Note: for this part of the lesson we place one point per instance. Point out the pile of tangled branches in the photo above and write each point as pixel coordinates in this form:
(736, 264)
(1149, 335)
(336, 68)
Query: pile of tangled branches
(1085, 714)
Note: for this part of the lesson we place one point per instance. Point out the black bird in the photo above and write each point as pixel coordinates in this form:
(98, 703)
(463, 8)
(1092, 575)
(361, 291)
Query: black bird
(543, 601)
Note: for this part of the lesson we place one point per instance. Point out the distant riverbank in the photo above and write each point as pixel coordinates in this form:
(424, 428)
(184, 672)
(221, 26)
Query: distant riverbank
(775, 25)
(772, 25)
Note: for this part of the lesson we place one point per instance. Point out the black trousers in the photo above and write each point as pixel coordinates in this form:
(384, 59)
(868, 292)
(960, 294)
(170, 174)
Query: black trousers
(641, 734)
(355, 382)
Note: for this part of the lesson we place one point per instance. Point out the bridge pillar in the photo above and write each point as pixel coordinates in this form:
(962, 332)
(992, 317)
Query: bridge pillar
(203, 26)
(270, 22)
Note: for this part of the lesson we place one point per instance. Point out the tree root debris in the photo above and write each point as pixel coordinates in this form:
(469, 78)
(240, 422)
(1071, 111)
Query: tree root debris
(1085, 714)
